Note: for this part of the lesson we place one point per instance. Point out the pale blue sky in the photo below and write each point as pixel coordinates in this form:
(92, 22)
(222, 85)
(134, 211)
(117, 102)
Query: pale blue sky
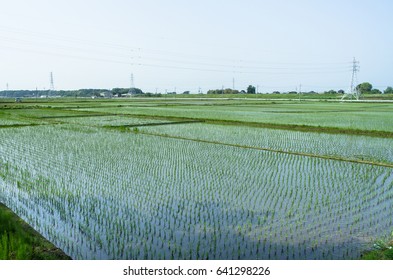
(170, 44)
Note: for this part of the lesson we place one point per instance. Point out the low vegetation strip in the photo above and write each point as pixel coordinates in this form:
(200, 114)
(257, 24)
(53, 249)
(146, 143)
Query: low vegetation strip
(154, 124)
(19, 241)
(328, 157)
(74, 116)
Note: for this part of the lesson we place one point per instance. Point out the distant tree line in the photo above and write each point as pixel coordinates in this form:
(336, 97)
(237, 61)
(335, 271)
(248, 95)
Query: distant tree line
(364, 88)
(115, 92)
(223, 91)
(367, 88)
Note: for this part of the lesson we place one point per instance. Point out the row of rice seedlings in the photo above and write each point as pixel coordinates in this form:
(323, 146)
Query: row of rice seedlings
(347, 146)
(125, 196)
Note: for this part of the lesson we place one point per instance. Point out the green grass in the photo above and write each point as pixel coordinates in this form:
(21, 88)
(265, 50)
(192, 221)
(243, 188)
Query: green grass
(379, 255)
(18, 241)
(382, 251)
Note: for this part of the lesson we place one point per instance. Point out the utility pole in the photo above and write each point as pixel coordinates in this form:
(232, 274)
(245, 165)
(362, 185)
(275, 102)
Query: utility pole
(6, 93)
(233, 83)
(353, 90)
(300, 91)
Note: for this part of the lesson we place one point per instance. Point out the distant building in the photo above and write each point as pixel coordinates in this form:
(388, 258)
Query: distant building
(106, 94)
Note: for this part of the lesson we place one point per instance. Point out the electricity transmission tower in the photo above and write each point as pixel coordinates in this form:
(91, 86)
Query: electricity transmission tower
(52, 84)
(353, 90)
(132, 87)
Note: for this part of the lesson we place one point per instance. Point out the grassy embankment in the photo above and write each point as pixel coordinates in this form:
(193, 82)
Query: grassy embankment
(19, 241)
(383, 250)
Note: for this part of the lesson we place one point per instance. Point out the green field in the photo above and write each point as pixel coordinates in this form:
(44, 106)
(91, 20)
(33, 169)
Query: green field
(363, 117)
(200, 178)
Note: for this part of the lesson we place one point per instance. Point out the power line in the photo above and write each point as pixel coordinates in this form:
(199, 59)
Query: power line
(120, 54)
(239, 63)
(238, 68)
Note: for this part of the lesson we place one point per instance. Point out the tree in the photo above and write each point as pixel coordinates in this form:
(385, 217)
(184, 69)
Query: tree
(251, 89)
(230, 91)
(388, 90)
(135, 91)
(375, 91)
(364, 88)
(119, 91)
